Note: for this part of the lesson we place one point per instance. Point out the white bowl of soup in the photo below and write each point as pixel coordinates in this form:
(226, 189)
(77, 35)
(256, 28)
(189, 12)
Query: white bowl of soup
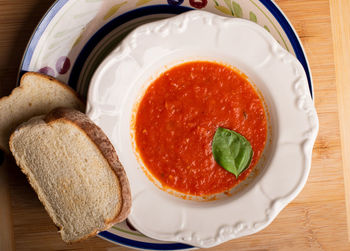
(176, 96)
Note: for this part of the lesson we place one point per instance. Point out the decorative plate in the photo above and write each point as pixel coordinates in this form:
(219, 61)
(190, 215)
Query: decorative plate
(74, 37)
(284, 166)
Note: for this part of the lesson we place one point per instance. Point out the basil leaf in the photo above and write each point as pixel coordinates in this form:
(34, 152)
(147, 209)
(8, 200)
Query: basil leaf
(231, 151)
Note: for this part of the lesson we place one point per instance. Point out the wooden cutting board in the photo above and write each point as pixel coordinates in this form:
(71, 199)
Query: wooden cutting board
(315, 220)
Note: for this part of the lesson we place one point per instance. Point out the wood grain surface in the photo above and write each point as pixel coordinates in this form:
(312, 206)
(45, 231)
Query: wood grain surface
(315, 220)
(340, 10)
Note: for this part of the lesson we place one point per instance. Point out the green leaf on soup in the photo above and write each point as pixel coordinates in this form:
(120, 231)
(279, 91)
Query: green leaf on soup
(231, 151)
(237, 9)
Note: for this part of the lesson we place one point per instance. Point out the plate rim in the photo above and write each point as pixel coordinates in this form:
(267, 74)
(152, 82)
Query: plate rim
(144, 245)
(291, 33)
(99, 35)
(37, 33)
(271, 5)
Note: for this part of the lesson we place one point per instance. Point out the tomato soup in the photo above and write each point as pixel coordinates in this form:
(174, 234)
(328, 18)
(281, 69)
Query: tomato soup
(177, 118)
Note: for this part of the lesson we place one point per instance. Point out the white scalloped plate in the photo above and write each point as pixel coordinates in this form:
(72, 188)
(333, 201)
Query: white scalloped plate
(197, 35)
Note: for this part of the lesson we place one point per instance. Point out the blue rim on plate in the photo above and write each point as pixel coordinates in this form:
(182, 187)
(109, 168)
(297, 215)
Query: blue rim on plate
(38, 32)
(55, 8)
(144, 245)
(143, 11)
(113, 24)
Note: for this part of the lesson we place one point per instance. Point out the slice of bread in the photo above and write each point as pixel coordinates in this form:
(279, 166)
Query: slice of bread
(75, 171)
(37, 94)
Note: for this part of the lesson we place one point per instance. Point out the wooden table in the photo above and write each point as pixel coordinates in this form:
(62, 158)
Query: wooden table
(315, 220)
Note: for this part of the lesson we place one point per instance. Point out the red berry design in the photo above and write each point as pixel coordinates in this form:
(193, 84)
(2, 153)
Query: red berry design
(62, 65)
(47, 71)
(198, 4)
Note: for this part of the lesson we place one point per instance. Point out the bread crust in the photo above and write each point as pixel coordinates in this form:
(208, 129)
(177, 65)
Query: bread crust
(50, 80)
(101, 141)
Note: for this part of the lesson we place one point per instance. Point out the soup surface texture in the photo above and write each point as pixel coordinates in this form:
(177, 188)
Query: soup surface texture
(177, 118)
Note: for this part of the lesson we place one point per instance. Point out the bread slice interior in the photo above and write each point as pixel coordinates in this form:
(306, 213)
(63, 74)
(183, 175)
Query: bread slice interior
(79, 187)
